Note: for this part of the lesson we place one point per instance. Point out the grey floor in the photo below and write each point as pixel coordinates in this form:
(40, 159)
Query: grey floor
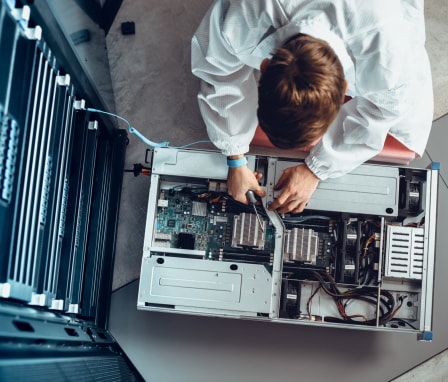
(155, 90)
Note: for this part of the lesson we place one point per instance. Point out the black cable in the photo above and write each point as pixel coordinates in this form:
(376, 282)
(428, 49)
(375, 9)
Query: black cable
(366, 294)
(245, 207)
(404, 322)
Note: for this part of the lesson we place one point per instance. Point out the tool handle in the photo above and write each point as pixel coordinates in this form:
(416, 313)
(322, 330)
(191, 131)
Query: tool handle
(250, 195)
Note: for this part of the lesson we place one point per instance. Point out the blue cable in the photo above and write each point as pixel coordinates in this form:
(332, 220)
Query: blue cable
(191, 144)
(132, 130)
(140, 136)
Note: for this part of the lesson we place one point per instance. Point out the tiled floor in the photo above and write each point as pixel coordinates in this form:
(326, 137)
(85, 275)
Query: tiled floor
(155, 90)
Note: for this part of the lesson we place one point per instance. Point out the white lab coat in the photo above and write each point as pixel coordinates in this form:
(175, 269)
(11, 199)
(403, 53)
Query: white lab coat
(379, 43)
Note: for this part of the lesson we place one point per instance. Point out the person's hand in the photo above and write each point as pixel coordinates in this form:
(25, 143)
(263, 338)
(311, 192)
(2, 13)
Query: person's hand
(241, 179)
(298, 184)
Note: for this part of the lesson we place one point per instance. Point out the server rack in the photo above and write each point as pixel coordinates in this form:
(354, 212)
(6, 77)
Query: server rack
(60, 183)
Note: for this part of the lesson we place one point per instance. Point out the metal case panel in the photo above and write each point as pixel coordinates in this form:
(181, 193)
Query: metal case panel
(195, 164)
(243, 288)
(369, 189)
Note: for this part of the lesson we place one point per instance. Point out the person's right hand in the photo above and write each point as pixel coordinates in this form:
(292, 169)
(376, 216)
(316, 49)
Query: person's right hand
(298, 184)
(240, 180)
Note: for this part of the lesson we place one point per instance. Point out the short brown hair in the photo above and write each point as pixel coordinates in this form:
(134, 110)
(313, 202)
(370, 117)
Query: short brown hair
(300, 92)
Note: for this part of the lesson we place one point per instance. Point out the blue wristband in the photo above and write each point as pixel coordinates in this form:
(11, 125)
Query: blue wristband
(234, 163)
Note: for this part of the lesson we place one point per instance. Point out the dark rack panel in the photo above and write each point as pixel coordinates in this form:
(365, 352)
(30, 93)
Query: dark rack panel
(46, 346)
(61, 174)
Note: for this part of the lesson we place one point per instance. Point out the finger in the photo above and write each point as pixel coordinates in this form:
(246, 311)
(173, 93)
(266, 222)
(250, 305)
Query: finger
(299, 208)
(280, 202)
(288, 207)
(259, 191)
(238, 197)
(241, 198)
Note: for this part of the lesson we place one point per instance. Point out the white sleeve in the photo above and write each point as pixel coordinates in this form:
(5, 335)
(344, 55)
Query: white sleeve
(385, 90)
(355, 136)
(228, 95)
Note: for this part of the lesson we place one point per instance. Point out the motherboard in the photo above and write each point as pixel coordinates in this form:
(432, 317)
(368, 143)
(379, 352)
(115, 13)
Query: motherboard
(211, 225)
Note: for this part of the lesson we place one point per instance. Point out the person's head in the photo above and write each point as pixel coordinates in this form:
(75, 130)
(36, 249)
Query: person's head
(300, 92)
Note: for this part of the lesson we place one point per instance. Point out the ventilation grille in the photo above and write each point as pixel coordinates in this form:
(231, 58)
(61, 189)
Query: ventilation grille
(77, 369)
(405, 252)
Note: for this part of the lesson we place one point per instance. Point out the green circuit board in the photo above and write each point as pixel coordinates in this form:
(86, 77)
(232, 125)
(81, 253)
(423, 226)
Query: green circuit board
(203, 222)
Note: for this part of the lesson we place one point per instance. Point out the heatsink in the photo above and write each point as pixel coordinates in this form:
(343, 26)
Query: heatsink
(247, 231)
(301, 245)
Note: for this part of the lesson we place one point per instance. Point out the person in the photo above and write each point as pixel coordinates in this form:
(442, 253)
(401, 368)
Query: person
(287, 64)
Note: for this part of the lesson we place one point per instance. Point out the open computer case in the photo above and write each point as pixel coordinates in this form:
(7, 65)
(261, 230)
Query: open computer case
(361, 256)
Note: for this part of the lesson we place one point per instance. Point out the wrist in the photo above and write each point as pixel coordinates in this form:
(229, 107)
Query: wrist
(235, 156)
(235, 161)
(311, 172)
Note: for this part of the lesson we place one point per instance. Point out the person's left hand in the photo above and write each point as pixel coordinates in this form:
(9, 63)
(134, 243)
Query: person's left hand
(299, 184)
